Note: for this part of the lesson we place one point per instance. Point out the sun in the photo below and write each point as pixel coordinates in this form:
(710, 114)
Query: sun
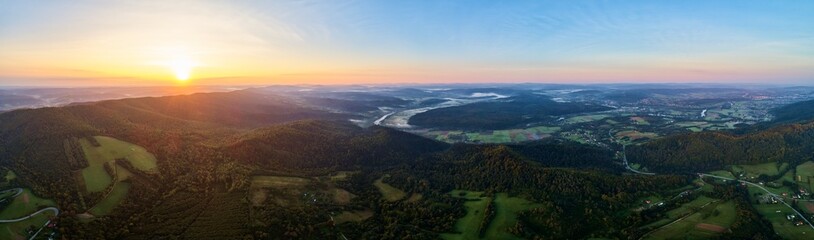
(182, 68)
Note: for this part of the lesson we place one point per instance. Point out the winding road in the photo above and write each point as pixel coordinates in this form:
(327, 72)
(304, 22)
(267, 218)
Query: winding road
(52, 209)
(627, 166)
(55, 210)
(765, 190)
(19, 191)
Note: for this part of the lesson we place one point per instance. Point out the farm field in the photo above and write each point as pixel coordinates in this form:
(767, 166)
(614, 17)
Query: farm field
(753, 171)
(630, 136)
(681, 211)
(586, 118)
(776, 214)
(639, 121)
(705, 223)
(805, 175)
(95, 176)
(494, 136)
(389, 193)
(25, 204)
(112, 200)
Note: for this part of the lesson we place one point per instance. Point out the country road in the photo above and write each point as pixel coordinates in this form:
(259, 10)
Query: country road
(55, 210)
(627, 166)
(765, 190)
(19, 191)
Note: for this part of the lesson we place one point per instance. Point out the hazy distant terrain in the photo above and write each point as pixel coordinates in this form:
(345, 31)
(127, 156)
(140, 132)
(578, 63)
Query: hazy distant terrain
(33, 97)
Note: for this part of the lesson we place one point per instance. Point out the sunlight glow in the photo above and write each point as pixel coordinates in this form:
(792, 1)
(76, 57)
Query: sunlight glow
(182, 68)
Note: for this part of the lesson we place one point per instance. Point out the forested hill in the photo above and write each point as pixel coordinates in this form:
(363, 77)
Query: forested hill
(327, 145)
(500, 114)
(795, 112)
(696, 152)
(34, 140)
(577, 201)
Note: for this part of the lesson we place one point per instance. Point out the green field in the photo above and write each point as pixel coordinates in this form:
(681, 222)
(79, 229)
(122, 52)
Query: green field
(586, 118)
(776, 214)
(467, 226)
(629, 136)
(718, 216)
(722, 173)
(112, 200)
(805, 175)
(352, 216)
(506, 210)
(17, 230)
(10, 175)
(496, 136)
(681, 211)
(753, 171)
(25, 204)
(95, 176)
(639, 121)
(390, 193)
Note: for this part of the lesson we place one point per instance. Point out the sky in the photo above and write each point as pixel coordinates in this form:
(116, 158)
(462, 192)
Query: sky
(107, 43)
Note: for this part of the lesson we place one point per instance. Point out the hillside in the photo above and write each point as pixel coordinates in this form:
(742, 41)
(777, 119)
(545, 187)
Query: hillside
(697, 152)
(795, 112)
(505, 113)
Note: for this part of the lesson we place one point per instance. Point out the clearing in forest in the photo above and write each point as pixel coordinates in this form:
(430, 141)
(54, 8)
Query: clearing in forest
(390, 193)
(505, 216)
(296, 191)
(110, 149)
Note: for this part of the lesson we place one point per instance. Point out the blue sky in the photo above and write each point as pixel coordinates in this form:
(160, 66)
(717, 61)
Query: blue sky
(48, 42)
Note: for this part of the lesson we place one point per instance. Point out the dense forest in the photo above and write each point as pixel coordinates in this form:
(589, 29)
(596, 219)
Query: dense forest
(795, 112)
(697, 152)
(506, 113)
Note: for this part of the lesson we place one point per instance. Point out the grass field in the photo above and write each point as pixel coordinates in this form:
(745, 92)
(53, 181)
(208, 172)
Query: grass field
(639, 120)
(707, 222)
(112, 200)
(389, 193)
(294, 191)
(722, 173)
(776, 214)
(630, 136)
(586, 118)
(10, 175)
(753, 171)
(681, 211)
(496, 136)
(352, 216)
(506, 210)
(17, 230)
(95, 176)
(25, 204)
(467, 226)
(805, 175)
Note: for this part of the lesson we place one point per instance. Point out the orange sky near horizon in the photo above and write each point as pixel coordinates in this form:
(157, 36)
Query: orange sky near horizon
(108, 43)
